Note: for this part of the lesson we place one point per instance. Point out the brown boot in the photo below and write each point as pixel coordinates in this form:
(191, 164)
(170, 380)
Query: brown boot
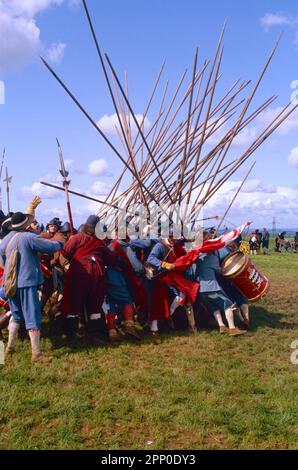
(8, 353)
(236, 332)
(114, 336)
(41, 358)
(223, 329)
(130, 329)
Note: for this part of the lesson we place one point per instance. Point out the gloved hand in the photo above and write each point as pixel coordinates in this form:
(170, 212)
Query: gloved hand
(168, 266)
(33, 205)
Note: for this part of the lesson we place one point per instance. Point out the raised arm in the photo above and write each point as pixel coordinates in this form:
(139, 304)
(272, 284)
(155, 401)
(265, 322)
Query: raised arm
(42, 245)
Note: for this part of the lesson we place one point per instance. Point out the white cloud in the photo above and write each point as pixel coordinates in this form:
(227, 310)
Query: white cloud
(270, 20)
(68, 163)
(38, 189)
(250, 133)
(256, 185)
(21, 44)
(22, 35)
(74, 3)
(108, 123)
(27, 7)
(55, 53)
(277, 19)
(293, 157)
(289, 125)
(259, 205)
(98, 167)
(44, 215)
(71, 165)
(244, 138)
(101, 188)
(45, 192)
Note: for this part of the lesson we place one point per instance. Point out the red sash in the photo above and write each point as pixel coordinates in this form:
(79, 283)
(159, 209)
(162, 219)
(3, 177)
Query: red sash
(189, 289)
(87, 248)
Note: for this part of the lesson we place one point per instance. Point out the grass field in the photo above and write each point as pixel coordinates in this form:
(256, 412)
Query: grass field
(188, 392)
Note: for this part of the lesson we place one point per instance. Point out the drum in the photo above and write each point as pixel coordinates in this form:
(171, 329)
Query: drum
(245, 276)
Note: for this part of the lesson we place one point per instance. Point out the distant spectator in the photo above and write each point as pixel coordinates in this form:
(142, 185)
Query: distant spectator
(254, 243)
(259, 235)
(279, 241)
(265, 241)
(296, 241)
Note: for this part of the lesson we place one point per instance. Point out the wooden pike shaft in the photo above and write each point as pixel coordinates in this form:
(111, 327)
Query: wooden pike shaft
(112, 95)
(223, 142)
(8, 199)
(235, 196)
(185, 155)
(64, 174)
(137, 124)
(8, 181)
(113, 191)
(260, 139)
(246, 106)
(91, 120)
(75, 193)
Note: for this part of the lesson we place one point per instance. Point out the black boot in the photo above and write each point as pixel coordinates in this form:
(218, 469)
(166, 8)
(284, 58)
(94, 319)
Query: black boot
(71, 325)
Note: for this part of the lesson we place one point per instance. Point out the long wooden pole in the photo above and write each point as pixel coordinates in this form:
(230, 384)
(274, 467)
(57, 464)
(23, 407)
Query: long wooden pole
(76, 193)
(8, 181)
(64, 173)
(235, 196)
(137, 124)
(91, 120)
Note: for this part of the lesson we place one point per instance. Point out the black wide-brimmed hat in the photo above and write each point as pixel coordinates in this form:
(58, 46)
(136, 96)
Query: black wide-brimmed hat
(19, 221)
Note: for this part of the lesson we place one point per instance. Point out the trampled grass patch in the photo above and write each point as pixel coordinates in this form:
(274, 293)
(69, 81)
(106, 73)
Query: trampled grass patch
(185, 392)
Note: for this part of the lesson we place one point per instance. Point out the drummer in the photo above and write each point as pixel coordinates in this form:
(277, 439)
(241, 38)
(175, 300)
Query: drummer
(212, 294)
(241, 302)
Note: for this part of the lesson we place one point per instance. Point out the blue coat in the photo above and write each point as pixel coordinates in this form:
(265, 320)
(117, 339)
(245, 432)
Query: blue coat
(223, 253)
(157, 255)
(207, 268)
(142, 245)
(29, 245)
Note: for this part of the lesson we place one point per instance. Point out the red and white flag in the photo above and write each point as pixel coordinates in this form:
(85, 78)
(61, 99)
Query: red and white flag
(208, 246)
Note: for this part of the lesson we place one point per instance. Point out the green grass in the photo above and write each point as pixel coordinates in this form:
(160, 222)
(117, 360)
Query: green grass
(188, 392)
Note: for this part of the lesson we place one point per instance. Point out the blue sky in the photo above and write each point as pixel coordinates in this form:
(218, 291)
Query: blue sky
(138, 36)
